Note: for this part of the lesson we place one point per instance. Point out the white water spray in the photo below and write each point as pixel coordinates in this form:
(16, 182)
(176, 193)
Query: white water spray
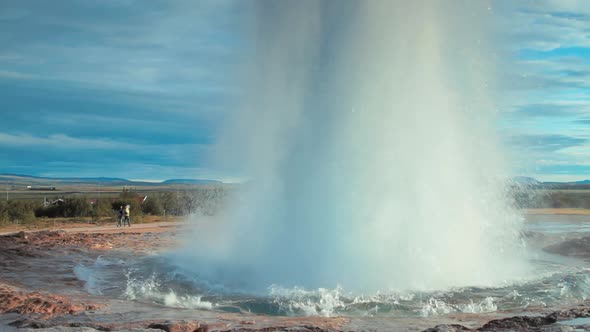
(367, 131)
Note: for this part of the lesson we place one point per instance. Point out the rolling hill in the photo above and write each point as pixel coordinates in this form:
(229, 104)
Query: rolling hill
(19, 180)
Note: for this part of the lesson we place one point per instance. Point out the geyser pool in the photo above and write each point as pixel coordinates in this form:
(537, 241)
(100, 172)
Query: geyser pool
(366, 131)
(557, 281)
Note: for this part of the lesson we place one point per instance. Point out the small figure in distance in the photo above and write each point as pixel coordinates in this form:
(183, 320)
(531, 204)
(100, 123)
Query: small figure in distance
(120, 220)
(127, 208)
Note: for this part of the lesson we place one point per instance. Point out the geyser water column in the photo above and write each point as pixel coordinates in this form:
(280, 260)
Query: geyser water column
(367, 134)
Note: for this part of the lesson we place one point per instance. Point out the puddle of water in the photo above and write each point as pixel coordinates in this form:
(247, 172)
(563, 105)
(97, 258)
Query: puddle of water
(576, 321)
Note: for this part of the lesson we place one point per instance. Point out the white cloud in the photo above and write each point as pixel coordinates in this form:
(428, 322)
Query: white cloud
(62, 141)
(167, 55)
(547, 25)
(15, 75)
(177, 48)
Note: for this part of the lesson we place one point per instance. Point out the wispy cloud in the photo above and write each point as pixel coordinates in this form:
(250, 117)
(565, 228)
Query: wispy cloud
(111, 85)
(550, 24)
(154, 80)
(545, 143)
(60, 141)
(553, 109)
(15, 75)
(548, 84)
(155, 46)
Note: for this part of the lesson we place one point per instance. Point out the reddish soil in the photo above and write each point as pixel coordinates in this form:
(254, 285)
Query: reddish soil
(27, 243)
(149, 224)
(23, 302)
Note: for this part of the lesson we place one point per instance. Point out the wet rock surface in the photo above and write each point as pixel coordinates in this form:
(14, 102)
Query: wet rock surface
(546, 323)
(82, 329)
(579, 247)
(579, 312)
(285, 329)
(181, 326)
(164, 326)
(448, 328)
(518, 323)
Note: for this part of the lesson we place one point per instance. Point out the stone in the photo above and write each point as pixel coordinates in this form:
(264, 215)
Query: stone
(556, 328)
(179, 326)
(517, 323)
(448, 328)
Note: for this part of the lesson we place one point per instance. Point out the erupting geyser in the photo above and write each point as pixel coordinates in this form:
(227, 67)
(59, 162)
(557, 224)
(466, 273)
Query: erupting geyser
(367, 133)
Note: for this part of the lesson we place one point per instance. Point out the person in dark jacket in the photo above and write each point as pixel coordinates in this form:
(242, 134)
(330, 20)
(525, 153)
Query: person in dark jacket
(120, 220)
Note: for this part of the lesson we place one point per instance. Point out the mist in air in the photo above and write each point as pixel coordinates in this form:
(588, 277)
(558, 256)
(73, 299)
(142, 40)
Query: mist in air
(366, 130)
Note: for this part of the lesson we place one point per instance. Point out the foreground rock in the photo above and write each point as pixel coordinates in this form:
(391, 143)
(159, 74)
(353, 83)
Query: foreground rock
(82, 329)
(518, 323)
(448, 328)
(166, 326)
(182, 326)
(572, 313)
(547, 323)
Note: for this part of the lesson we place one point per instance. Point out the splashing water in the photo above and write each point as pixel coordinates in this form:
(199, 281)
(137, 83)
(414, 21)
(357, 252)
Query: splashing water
(153, 279)
(367, 132)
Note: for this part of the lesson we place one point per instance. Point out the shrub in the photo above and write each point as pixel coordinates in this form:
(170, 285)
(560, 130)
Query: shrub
(21, 211)
(152, 206)
(104, 208)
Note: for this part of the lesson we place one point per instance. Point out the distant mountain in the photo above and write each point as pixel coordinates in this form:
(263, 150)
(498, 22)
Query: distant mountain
(525, 180)
(90, 180)
(190, 181)
(35, 179)
(530, 180)
(554, 185)
(28, 180)
(571, 183)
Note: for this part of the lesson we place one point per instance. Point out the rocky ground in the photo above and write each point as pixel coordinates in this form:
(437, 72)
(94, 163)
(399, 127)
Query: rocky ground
(40, 293)
(38, 290)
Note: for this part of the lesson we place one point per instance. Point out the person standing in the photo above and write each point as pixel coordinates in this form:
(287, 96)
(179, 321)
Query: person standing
(127, 213)
(120, 220)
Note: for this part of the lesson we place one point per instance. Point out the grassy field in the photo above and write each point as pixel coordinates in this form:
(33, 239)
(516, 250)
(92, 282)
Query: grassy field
(92, 204)
(85, 203)
(88, 191)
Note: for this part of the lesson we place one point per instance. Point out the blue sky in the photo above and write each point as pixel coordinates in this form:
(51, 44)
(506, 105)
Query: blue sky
(546, 118)
(139, 89)
(113, 88)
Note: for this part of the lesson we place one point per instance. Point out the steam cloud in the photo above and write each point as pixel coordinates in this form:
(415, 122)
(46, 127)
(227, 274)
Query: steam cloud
(367, 133)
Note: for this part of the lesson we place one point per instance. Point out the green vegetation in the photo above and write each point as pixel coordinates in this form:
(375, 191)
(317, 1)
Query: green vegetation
(21, 212)
(557, 199)
(206, 201)
(550, 196)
